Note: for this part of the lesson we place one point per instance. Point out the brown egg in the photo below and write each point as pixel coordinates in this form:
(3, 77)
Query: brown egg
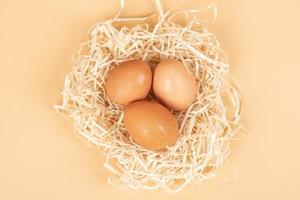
(129, 81)
(173, 84)
(150, 125)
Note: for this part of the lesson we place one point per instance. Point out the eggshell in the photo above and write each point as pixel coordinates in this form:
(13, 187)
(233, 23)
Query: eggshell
(174, 85)
(129, 81)
(150, 125)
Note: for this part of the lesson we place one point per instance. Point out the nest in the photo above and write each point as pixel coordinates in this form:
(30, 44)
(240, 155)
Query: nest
(206, 127)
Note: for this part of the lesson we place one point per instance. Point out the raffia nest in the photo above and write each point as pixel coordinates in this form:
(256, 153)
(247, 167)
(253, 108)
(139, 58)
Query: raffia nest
(206, 127)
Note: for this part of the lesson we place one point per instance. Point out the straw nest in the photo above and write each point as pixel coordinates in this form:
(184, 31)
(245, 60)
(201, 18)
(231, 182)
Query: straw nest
(206, 127)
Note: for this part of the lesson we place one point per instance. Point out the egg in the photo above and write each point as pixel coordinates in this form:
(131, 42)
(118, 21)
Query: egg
(174, 85)
(150, 125)
(129, 81)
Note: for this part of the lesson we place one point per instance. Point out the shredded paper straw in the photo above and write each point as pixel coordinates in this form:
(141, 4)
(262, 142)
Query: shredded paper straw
(206, 127)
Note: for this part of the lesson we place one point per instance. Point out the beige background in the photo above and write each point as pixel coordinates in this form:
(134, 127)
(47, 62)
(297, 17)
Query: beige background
(40, 157)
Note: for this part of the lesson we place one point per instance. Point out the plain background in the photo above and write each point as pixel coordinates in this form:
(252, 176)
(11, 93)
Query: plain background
(40, 157)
